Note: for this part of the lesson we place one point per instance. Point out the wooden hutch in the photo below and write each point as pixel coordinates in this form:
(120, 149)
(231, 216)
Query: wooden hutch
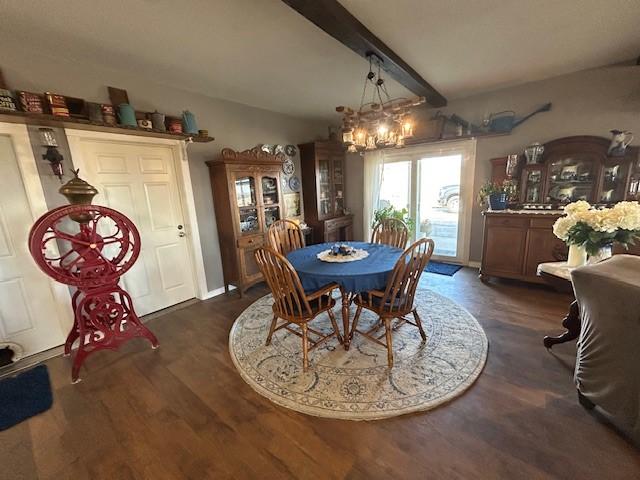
(572, 168)
(247, 199)
(323, 184)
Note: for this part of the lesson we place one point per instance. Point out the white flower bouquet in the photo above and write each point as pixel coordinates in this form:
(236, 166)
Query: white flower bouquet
(596, 228)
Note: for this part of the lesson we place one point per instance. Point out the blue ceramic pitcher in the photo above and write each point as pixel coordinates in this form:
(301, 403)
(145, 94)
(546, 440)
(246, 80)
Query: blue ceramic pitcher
(127, 115)
(189, 122)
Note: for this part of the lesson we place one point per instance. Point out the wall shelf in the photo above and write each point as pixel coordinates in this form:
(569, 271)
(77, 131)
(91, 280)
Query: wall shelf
(46, 120)
(477, 136)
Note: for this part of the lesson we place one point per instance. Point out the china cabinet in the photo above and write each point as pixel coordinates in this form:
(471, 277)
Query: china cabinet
(572, 168)
(247, 200)
(323, 183)
(579, 168)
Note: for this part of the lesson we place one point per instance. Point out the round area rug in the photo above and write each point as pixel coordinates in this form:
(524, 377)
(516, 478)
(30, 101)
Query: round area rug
(358, 385)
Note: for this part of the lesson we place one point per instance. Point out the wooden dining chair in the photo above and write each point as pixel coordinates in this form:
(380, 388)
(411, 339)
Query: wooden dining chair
(292, 304)
(285, 236)
(397, 300)
(392, 232)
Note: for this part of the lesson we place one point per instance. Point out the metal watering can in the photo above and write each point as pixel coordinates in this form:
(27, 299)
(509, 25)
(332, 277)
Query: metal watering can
(506, 121)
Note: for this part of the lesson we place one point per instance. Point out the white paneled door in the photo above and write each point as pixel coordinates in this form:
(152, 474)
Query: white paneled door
(139, 180)
(28, 312)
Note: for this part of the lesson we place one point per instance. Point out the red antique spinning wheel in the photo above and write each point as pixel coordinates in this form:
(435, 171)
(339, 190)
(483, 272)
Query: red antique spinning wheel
(90, 247)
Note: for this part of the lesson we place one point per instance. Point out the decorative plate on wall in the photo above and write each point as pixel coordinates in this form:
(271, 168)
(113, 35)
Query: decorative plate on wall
(290, 150)
(288, 167)
(294, 183)
(267, 148)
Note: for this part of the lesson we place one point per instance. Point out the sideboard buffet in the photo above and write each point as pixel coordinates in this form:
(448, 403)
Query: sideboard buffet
(572, 168)
(248, 199)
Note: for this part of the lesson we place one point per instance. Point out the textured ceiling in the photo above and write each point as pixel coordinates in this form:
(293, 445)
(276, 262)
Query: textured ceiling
(464, 47)
(262, 53)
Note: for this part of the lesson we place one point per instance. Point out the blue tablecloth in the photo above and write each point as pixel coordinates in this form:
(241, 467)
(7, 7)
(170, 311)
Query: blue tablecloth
(355, 277)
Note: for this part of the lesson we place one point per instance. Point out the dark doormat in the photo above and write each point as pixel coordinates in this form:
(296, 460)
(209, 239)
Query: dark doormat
(24, 396)
(442, 268)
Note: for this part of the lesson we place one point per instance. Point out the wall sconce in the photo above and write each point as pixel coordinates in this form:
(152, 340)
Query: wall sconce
(53, 156)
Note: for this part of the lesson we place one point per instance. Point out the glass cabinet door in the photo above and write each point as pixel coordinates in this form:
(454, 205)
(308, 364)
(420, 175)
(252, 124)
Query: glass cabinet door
(572, 178)
(246, 192)
(271, 214)
(270, 190)
(247, 206)
(249, 222)
(532, 185)
(270, 199)
(324, 189)
(338, 187)
(634, 187)
(614, 181)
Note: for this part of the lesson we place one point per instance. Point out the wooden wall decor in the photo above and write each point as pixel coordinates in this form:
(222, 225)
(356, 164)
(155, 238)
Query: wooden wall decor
(117, 96)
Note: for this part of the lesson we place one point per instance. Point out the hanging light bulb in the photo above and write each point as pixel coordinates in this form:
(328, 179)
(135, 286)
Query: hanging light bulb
(382, 132)
(360, 137)
(392, 137)
(347, 136)
(371, 142)
(407, 128)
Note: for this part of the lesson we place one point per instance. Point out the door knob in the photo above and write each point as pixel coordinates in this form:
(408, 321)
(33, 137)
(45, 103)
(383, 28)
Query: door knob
(180, 227)
(182, 234)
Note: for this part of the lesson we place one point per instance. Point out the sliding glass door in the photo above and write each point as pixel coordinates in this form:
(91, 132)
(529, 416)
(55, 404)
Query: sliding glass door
(395, 189)
(434, 183)
(438, 202)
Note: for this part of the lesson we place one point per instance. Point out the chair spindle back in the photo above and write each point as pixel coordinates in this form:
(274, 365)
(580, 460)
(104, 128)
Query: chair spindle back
(392, 232)
(285, 236)
(289, 298)
(403, 281)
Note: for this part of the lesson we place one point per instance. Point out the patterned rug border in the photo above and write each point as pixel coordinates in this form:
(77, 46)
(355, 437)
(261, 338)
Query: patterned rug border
(352, 416)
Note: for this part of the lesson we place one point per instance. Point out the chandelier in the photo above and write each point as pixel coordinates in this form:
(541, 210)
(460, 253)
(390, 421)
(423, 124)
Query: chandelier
(381, 122)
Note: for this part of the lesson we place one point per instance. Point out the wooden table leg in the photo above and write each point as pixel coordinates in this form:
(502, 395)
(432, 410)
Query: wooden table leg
(346, 301)
(572, 323)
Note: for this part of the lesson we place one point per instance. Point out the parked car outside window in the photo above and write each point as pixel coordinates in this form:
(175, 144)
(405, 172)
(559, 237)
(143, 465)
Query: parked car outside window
(449, 198)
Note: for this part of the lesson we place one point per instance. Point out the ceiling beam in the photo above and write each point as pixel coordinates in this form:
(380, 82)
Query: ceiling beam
(336, 20)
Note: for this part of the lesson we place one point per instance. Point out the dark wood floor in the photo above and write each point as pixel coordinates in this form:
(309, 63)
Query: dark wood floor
(183, 412)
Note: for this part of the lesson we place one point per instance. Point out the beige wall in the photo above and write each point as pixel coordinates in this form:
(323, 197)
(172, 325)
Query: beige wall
(591, 102)
(233, 125)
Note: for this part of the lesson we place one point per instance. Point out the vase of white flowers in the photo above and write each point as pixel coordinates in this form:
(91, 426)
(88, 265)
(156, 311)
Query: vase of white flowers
(597, 229)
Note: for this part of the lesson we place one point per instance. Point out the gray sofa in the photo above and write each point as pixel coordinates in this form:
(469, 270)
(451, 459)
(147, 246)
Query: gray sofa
(607, 371)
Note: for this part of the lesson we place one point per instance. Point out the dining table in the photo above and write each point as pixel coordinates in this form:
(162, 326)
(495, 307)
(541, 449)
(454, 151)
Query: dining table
(353, 277)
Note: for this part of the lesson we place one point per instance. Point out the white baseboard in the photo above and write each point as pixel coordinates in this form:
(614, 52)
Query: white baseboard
(473, 264)
(215, 292)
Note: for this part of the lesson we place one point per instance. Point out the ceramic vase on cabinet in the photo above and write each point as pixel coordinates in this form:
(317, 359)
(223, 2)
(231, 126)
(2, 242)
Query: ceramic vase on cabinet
(577, 256)
(498, 201)
(604, 253)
